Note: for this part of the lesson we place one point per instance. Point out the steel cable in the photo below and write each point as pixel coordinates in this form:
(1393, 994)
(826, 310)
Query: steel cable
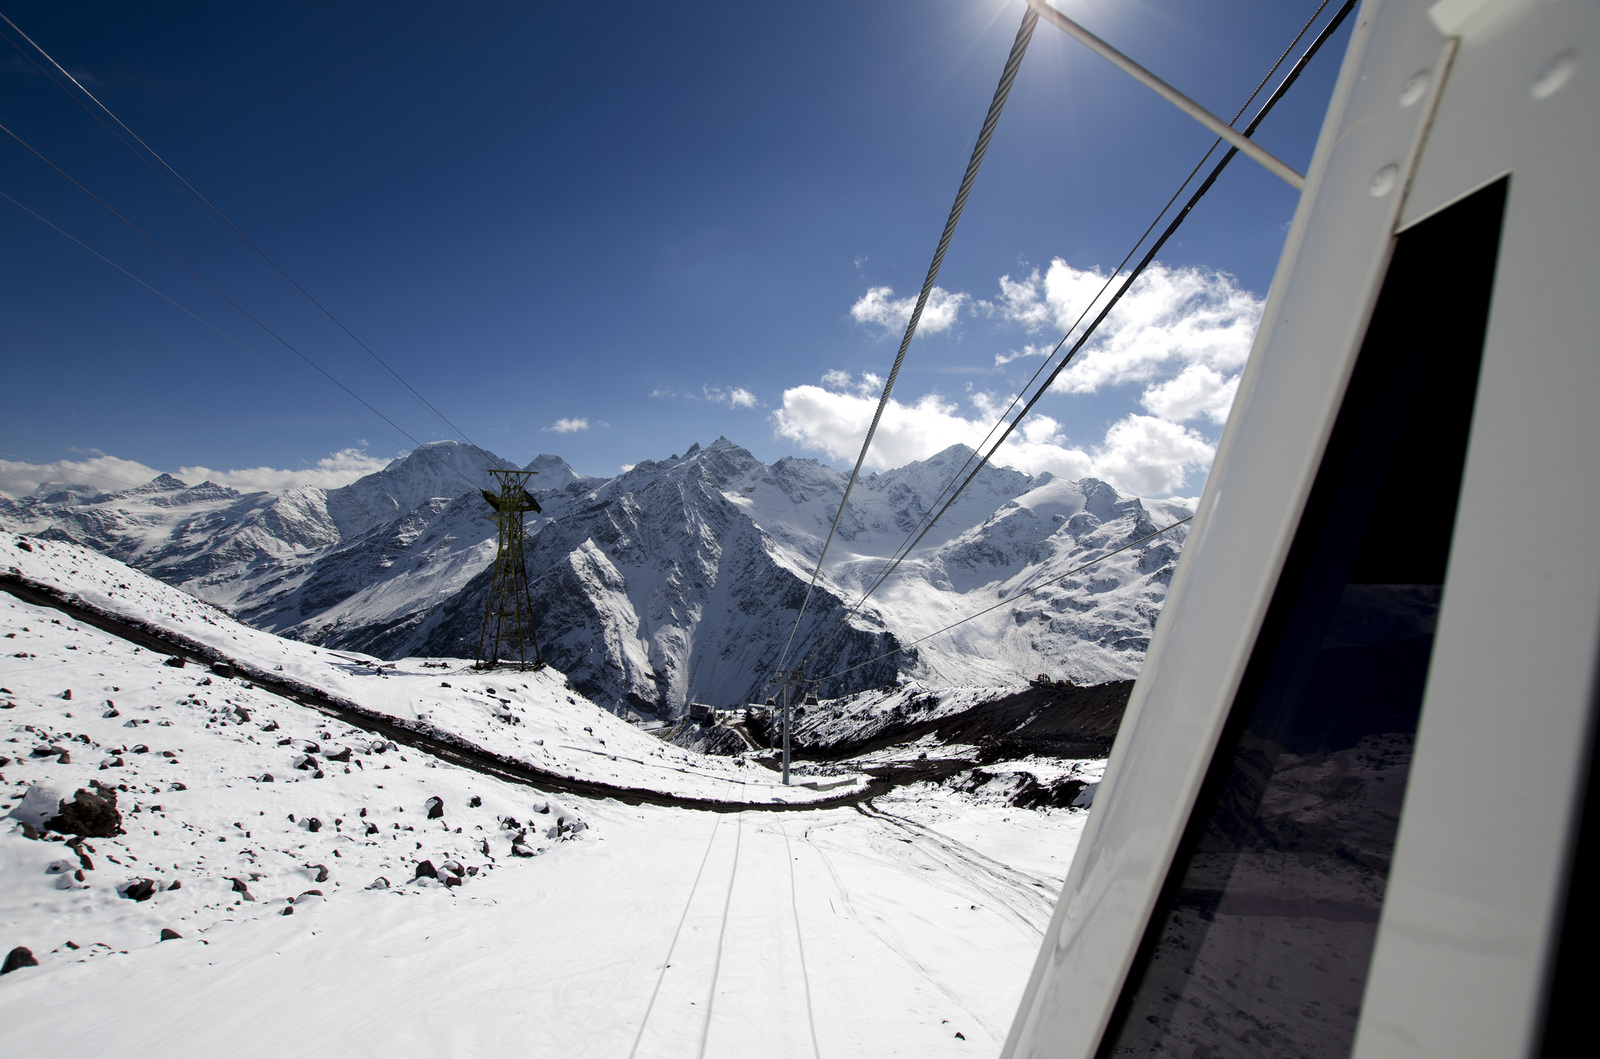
(237, 233)
(1019, 47)
(1004, 602)
(925, 525)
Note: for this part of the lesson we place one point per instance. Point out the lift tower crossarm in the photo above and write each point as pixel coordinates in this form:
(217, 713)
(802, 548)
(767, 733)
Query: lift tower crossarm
(1215, 124)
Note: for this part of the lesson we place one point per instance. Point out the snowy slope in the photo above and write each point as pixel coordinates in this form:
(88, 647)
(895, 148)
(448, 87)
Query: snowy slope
(528, 717)
(907, 929)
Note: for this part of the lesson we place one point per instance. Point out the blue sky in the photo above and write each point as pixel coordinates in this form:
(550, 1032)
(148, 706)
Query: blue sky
(609, 231)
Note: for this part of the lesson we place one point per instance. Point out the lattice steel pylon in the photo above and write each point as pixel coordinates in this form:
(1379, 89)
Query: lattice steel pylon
(508, 613)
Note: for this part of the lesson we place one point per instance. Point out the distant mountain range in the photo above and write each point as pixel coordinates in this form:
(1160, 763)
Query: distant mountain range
(676, 581)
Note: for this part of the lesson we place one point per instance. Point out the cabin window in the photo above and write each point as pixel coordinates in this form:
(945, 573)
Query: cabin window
(1264, 930)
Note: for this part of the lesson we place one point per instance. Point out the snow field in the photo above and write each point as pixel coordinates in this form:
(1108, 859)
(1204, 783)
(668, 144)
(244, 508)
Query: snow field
(189, 753)
(652, 932)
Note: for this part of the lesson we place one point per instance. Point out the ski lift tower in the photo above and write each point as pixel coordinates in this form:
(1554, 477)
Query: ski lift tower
(508, 615)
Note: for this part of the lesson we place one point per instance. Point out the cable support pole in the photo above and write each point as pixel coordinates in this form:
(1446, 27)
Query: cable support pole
(1006, 602)
(284, 275)
(1277, 94)
(1019, 48)
(1216, 125)
(925, 525)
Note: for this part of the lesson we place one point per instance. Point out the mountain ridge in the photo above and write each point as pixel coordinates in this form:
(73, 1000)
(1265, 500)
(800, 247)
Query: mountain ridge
(675, 581)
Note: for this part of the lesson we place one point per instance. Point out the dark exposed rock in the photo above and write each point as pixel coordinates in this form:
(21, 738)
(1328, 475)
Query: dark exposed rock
(321, 870)
(380, 883)
(435, 807)
(426, 868)
(21, 956)
(474, 802)
(239, 887)
(222, 669)
(342, 756)
(175, 662)
(140, 890)
(168, 934)
(313, 824)
(90, 813)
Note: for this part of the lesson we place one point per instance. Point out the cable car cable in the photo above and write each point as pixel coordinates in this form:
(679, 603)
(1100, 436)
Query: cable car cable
(1019, 47)
(237, 233)
(925, 524)
(200, 319)
(817, 681)
(212, 287)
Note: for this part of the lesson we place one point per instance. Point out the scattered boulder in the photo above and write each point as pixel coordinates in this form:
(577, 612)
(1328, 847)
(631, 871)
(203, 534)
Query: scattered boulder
(321, 871)
(168, 934)
(67, 694)
(474, 802)
(239, 887)
(139, 890)
(222, 669)
(380, 883)
(425, 869)
(21, 956)
(342, 756)
(175, 662)
(311, 823)
(435, 807)
(92, 814)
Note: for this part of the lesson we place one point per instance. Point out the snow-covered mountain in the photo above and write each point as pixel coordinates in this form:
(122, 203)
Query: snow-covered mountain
(678, 580)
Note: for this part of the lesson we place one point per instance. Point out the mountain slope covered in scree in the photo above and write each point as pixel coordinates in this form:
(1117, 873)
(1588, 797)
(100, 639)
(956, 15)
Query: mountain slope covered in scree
(676, 581)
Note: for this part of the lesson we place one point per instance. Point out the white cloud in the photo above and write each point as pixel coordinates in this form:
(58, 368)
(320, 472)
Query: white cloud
(568, 426)
(879, 306)
(330, 472)
(1139, 454)
(113, 474)
(1196, 391)
(736, 397)
(19, 477)
(1149, 456)
(626, 467)
(1170, 319)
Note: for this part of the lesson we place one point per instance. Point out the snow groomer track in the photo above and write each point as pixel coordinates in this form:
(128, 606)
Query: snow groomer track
(430, 740)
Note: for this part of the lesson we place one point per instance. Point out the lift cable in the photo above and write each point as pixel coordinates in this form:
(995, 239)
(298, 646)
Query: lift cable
(214, 213)
(202, 320)
(213, 288)
(1019, 47)
(925, 525)
(1005, 602)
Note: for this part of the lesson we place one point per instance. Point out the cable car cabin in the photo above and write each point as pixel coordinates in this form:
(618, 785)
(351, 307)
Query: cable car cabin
(1351, 808)
(701, 713)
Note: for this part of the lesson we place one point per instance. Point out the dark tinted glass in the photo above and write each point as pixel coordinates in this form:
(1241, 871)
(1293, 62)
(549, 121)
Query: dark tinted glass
(1264, 931)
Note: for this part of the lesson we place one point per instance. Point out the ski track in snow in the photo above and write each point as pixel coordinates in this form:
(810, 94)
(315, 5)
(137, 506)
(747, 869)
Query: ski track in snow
(651, 931)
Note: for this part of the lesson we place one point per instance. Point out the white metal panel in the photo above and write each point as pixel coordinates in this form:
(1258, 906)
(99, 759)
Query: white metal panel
(1316, 314)
(1467, 927)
